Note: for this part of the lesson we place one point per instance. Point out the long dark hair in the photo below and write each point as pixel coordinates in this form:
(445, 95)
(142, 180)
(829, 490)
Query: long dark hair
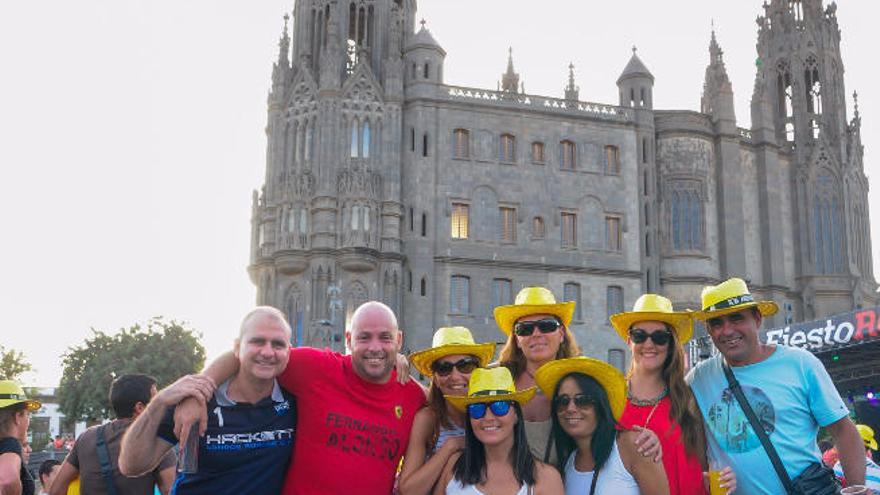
(470, 468)
(606, 431)
(683, 406)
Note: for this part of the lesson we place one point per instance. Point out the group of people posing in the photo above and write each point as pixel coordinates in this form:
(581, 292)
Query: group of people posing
(540, 420)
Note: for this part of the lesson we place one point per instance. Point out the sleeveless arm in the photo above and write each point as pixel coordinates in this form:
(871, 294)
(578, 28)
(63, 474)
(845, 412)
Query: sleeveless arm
(549, 480)
(446, 477)
(649, 475)
(418, 475)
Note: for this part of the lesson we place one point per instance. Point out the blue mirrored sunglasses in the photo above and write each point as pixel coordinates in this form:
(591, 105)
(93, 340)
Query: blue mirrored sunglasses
(478, 410)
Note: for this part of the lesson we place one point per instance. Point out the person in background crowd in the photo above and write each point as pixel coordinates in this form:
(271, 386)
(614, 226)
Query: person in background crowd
(15, 417)
(47, 473)
(438, 429)
(787, 387)
(251, 421)
(872, 470)
(657, 396)
(496, 458)
(129, 396)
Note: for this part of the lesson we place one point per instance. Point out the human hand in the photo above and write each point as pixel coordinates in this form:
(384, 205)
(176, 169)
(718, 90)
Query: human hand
(199, 386)
(189, 412)
(454, 444)
(648, 444)
(726, 478)
(402, 368)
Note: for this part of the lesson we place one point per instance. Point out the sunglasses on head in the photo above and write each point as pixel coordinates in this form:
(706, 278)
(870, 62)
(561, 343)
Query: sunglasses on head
(464, 366)
(478, 409)
(580, 400)
(639, 336)
(526, 328)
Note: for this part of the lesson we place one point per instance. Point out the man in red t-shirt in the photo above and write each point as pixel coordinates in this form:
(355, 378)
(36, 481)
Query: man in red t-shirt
(354, 417)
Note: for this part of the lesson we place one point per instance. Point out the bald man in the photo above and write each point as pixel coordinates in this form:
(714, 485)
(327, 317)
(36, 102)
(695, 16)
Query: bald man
(354, 416)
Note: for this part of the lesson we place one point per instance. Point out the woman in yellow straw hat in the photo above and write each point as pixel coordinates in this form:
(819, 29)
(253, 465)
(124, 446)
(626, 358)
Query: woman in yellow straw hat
(594, 457)
(496, 458)
(438, 429)
(658, 397)
(15, 411)
(537, 332)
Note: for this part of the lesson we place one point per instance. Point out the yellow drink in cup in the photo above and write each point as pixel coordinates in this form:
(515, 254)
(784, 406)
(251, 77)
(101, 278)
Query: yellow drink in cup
(715, 483)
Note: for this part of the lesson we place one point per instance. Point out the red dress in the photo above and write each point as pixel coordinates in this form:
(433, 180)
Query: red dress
(683, 471)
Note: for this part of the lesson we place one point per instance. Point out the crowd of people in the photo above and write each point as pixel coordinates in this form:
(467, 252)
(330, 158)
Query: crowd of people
(265, 418)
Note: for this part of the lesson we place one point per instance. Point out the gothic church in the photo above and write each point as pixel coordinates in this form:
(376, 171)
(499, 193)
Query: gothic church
(385, 182)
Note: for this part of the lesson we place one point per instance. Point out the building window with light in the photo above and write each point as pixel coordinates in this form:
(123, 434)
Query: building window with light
(460, 220)
(462, 143)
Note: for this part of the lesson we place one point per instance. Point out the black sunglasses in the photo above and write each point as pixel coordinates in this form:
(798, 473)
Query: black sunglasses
(639, 336)
(526, 328)
(478, 409)
(580, 400)
(464, 366)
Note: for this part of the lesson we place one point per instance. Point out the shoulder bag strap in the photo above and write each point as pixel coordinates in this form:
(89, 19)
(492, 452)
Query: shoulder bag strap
(104, 459)
(735, 387)
(595, 480)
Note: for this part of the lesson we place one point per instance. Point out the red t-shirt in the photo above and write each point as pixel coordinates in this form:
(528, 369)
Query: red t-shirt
(350, 433)
(683, 471)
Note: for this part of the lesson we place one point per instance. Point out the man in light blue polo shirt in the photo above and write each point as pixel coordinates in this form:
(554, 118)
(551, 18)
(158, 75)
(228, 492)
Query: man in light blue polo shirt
(788, 389)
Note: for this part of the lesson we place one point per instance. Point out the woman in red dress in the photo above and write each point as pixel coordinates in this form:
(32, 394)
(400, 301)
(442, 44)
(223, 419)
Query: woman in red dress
(658, 397)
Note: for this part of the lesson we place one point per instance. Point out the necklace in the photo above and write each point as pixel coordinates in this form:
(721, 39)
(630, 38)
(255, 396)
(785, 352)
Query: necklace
(645, 402)
(538, 391)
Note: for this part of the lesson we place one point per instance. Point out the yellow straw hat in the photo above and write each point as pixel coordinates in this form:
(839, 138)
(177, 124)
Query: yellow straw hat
(449, 341)
(489, 385)
(11, 393)
(612, 380)
(654, 307)
(867, 434)
(730, 296)
(533, 301)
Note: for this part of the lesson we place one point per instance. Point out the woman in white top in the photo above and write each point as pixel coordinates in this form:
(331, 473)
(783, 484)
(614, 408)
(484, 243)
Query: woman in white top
(588, 399)
(438, 429)
(496, 459)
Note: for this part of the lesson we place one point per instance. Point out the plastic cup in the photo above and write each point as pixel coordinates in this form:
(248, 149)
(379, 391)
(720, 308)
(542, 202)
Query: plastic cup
(855, 490)
(188, 457)
(715, 483)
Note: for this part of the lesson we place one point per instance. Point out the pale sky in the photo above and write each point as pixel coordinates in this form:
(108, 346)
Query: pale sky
(133, 135)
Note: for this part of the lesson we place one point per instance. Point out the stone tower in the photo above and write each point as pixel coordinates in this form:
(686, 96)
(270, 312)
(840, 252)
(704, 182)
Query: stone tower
(800, 95)
(326, 226)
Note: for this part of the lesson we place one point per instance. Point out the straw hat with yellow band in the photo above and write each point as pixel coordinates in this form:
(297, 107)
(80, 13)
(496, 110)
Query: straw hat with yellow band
(449, 341)
(867, 434)
(533, 301)
(490, 385)
(11, 393)
(612, 380)
(730, 296)
(654, 307)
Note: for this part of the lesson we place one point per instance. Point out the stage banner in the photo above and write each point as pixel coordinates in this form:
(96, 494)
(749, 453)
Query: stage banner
(841, 330)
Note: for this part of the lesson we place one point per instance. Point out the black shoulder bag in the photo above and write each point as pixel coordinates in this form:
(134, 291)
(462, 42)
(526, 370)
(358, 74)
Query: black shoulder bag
(104, 459)
(817, 479)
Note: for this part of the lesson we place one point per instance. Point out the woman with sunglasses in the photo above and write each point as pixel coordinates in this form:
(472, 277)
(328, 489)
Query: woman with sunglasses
(496, 458)
(658, 397)
(537, 332)
(594, 457)
(438, 429)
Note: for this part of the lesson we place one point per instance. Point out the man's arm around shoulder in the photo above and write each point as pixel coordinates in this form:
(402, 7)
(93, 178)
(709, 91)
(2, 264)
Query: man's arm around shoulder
(142, 449)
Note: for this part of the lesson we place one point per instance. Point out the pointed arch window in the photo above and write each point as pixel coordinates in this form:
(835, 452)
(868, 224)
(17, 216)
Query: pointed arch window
(353, 153)
(686, 216)
(828, 234)
(365, 140)
(813, 87)
(784, 92)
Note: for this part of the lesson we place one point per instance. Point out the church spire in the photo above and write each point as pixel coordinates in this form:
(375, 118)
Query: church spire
(717, 98)
(284, 45)
(510, 79)
(571, 91)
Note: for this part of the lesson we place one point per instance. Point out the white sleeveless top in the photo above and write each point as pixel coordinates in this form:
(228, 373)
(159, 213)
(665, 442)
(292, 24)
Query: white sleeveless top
(614, 479)
(456, 488)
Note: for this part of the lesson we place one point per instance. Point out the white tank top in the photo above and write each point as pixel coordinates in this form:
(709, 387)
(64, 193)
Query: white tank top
(614, 479)
(456, 488)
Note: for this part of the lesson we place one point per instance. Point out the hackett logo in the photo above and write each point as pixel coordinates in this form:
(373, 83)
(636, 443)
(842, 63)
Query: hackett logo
(838, 330)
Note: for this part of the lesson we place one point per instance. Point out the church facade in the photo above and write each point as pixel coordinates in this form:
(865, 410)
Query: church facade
(385, 182)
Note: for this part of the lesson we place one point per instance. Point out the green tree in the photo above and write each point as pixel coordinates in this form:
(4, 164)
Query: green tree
(165, 349)
(13, 364)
